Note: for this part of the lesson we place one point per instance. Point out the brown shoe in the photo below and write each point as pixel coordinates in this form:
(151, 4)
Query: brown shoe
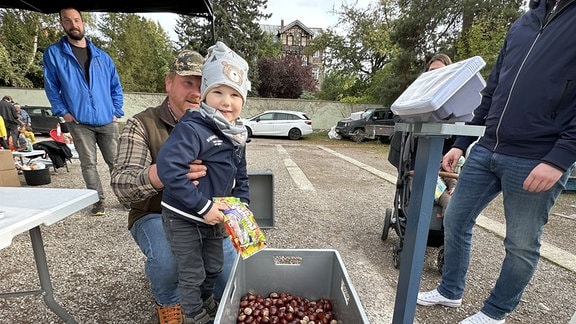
(169, 314)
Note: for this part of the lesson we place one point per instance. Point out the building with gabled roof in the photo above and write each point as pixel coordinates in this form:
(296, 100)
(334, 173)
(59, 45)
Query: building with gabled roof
(294, 38)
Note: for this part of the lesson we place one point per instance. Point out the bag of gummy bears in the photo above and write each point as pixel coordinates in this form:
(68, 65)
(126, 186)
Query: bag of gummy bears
(246, 235)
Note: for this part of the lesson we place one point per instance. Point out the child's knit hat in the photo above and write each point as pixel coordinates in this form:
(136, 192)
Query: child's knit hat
(224, 66)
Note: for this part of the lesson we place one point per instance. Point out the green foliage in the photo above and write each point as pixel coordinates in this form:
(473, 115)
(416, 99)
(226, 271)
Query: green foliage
(336, 85)
(484, 31)
(363, 48)
(236, 25)
(140, 48)
(307, 95)
(21, 33)
(370, 56)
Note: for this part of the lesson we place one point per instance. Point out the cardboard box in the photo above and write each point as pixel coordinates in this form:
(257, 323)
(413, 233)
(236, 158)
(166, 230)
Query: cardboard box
(8, 173)
(6, 160)
(309, 273)
(9, 178)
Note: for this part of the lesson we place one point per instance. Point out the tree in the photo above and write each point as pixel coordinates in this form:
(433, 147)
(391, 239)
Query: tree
(285, 77)
(140, 49)
(23, 35)
(460, 29)
(236, 24)
(336, 86)
(484, 27)
(358, 49)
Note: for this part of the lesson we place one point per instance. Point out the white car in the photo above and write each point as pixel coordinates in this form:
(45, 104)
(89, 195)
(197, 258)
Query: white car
(292, 124)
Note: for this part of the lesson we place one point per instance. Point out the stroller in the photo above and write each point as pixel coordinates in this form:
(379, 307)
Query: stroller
(402, 154)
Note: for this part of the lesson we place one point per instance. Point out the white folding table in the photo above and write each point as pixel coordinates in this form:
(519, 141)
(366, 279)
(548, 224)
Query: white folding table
(25, 209)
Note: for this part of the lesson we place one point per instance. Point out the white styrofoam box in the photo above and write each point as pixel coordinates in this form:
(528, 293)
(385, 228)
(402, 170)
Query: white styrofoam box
(356, 115)
(449, 94)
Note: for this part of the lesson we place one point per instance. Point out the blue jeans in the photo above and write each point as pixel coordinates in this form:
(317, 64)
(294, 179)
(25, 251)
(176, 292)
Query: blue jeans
(199, 254)
(85, 140)
(161, 267)
(484, 175)
(229, 258)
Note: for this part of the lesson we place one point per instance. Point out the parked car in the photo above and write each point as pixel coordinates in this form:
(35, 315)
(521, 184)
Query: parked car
(43, 120)
(372, 123)
(292, 124)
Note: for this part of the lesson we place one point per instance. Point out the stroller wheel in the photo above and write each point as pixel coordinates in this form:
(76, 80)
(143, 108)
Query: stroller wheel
(387, 221)
(396, 256)
(440, 259)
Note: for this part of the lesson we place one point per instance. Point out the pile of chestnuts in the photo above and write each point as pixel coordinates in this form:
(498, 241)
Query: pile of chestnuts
(283, 308)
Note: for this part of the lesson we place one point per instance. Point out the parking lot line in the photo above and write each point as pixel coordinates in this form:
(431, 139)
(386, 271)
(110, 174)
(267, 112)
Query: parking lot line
(549, 252)
(295, 172)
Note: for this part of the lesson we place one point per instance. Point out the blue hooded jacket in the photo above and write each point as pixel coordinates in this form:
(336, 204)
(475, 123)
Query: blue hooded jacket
(529, 103)
(93, 104)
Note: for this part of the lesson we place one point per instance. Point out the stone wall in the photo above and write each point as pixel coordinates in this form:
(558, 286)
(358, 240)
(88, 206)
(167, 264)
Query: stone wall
(324, 114)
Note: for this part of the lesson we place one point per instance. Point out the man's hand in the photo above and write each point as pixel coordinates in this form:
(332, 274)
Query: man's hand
(542, 178)
(450, 159)
(69, 118)
(197, 171)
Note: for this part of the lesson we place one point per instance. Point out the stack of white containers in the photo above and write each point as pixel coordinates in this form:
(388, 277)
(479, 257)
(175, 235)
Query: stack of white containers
(445, 95)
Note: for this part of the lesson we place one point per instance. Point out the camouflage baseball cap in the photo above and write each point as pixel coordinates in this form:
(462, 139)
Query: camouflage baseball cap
(188, 63)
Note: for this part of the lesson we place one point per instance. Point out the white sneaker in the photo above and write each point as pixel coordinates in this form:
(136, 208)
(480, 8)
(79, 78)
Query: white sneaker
(431, 298)
(481, 318)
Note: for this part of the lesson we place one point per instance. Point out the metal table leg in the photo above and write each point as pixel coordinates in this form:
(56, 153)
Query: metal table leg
(44, 276)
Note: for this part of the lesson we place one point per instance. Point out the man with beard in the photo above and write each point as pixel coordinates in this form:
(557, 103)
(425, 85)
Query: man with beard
(83, 87)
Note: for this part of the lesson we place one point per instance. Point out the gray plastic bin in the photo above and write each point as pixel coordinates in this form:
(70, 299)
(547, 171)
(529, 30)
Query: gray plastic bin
(309, 273)
(262, 196)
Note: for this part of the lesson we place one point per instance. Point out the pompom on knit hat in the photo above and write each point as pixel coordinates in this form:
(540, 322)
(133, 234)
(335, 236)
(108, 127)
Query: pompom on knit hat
(224, 67)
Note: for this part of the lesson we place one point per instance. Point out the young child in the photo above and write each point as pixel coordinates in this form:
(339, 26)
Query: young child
(215, 135)
(445, 187)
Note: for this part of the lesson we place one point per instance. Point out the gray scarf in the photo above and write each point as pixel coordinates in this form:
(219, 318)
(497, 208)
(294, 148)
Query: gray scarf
(235, 132)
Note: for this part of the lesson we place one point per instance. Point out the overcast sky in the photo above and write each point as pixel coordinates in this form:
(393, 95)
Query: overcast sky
(312, 13)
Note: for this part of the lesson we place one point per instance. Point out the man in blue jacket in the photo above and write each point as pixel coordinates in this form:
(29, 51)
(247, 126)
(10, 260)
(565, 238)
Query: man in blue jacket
(83, 87)
(526, 153)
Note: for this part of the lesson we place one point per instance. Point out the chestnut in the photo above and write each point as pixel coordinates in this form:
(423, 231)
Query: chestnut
(273, 310)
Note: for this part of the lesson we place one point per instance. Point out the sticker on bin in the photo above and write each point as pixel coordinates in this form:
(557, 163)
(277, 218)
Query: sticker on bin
(245, 234)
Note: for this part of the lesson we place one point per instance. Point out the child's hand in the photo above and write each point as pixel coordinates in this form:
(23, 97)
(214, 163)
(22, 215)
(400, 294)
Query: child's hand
(215, 215)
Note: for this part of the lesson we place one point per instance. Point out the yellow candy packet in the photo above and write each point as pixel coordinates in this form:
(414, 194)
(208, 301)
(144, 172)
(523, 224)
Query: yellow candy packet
(247, 237)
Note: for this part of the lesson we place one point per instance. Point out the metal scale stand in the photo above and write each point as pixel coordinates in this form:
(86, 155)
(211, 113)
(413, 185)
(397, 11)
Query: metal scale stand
(428, 156)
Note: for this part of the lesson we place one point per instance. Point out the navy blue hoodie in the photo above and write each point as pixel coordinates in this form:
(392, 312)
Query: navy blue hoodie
(529, 103)
(196, 138)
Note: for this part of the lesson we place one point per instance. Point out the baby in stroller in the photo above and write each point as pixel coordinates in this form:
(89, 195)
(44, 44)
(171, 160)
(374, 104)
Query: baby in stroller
(402, 152)
(445, 186)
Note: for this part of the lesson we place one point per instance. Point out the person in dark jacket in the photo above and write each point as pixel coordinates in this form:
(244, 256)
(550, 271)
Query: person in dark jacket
(216, 136)
(135, 180)
(526, 153)
(83, 87)
(10, 116)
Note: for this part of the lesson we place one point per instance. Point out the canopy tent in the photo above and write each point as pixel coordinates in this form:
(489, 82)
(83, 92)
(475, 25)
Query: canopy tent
(199, 8)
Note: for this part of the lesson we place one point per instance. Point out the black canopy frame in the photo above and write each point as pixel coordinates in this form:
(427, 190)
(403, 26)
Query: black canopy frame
(198, 8)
